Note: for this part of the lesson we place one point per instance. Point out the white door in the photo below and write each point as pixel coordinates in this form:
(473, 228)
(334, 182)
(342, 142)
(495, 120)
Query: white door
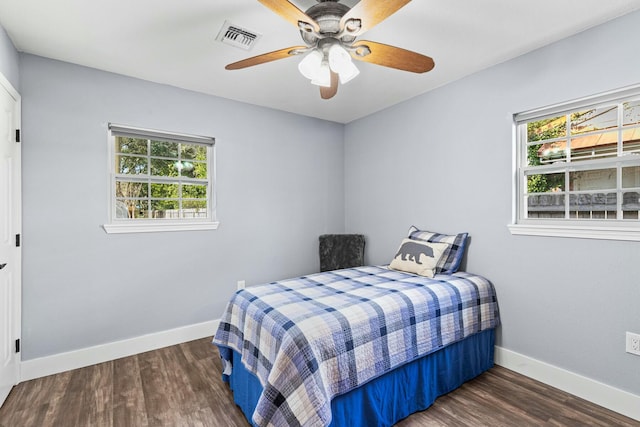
(10, 260)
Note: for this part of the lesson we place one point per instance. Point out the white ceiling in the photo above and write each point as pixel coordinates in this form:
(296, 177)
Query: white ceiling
(173, 42)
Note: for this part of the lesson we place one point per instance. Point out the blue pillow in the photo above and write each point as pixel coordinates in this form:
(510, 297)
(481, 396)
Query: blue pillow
(452, 256)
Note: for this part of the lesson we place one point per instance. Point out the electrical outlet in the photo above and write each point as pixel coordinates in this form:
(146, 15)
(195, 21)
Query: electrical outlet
(633, 343)
(240, 284)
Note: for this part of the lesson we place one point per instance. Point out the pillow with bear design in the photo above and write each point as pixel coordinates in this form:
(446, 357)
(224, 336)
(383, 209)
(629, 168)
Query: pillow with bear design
(418, 257)
(450, 261)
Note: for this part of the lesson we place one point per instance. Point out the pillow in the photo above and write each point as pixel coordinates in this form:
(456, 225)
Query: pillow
(452, 257)
(415, 256)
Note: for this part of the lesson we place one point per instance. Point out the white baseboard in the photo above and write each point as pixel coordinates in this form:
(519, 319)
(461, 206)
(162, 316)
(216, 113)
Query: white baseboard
(617, 400)
(49, 365)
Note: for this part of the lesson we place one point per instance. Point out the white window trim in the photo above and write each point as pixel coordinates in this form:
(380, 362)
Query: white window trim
(621, 230)
(147, 227)
(575, 231)
(152, 226)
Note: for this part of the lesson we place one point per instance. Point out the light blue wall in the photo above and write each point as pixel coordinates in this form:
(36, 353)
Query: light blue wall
(443, 161)
(9, 60)
(280, 185)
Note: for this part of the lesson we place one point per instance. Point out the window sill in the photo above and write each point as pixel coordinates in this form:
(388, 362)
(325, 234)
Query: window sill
(158, 227)
(580, 232)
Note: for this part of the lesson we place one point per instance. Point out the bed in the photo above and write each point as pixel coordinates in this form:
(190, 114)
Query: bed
(364, 346)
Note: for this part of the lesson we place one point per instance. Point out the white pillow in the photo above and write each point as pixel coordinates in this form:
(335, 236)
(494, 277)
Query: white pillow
(418, 257)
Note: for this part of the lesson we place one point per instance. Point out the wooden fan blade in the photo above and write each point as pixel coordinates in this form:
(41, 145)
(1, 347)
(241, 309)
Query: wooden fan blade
(290, 12)
(330, 92)
(369, 13)
(391, 56)
(265, 57)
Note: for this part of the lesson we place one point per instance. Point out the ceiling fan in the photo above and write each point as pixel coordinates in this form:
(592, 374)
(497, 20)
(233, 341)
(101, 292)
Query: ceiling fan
(329, 30)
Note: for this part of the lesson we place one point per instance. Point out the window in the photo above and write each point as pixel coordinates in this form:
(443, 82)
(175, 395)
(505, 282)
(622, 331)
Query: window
(160, 181)
(578, 168)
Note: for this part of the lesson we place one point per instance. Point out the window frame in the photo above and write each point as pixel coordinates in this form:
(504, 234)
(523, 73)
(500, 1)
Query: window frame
(118, 225)
(618, 229)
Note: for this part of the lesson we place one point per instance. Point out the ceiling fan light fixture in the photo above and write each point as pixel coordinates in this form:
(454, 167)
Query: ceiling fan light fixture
(341, 63)
(323, 76)
(338, 57)
(310, 64)
(348, 73)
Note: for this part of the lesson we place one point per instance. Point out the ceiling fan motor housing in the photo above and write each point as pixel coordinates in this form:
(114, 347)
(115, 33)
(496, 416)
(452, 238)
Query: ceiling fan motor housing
(327, 13)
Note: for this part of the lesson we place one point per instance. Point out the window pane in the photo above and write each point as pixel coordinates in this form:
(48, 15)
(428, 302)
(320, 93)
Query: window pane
(630, 214)
(161, 167)
(164, 149)
(130, 189)
(194, 209)
(631, 177)
(195, 170)
(631, 140)
(132, 209)
(185, 167)
(631, 203)
(545, 206)
(164, 209)
(631, 113)
(131, 145)
(164, 191)
(194, 191)
(598, 179)
(131, 165)
(122, 210)
(194, 204)
(550, 152)
(594, 146)
(545, 183)
(555, 127)
(593, 206)
(194, 152)
(594, 119)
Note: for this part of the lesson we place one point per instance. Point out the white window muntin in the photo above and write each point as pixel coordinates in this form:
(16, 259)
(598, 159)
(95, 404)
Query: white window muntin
(126, 225)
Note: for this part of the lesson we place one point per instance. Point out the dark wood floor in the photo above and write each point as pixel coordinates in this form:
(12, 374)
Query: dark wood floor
(181, 386)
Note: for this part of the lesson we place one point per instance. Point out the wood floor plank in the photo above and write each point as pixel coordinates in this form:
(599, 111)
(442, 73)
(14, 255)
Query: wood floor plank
(181, 386)
(97, 401)
(184, 399)
(128, 397)
(154, 386)
(68, 408)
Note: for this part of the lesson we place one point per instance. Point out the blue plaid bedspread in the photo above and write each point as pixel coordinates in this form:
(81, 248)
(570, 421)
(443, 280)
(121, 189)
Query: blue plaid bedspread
(311, 338)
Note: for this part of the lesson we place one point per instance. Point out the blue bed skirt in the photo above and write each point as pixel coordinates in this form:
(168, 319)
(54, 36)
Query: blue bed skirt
(386, 400)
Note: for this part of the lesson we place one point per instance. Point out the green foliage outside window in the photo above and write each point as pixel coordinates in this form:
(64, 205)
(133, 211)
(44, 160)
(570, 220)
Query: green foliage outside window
(544, 130)
(140, 157)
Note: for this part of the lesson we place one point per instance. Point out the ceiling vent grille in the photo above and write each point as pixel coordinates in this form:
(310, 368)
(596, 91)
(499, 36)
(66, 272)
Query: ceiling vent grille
(237, 36)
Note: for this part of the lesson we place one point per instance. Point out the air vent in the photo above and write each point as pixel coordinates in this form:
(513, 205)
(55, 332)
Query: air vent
(237, 36)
